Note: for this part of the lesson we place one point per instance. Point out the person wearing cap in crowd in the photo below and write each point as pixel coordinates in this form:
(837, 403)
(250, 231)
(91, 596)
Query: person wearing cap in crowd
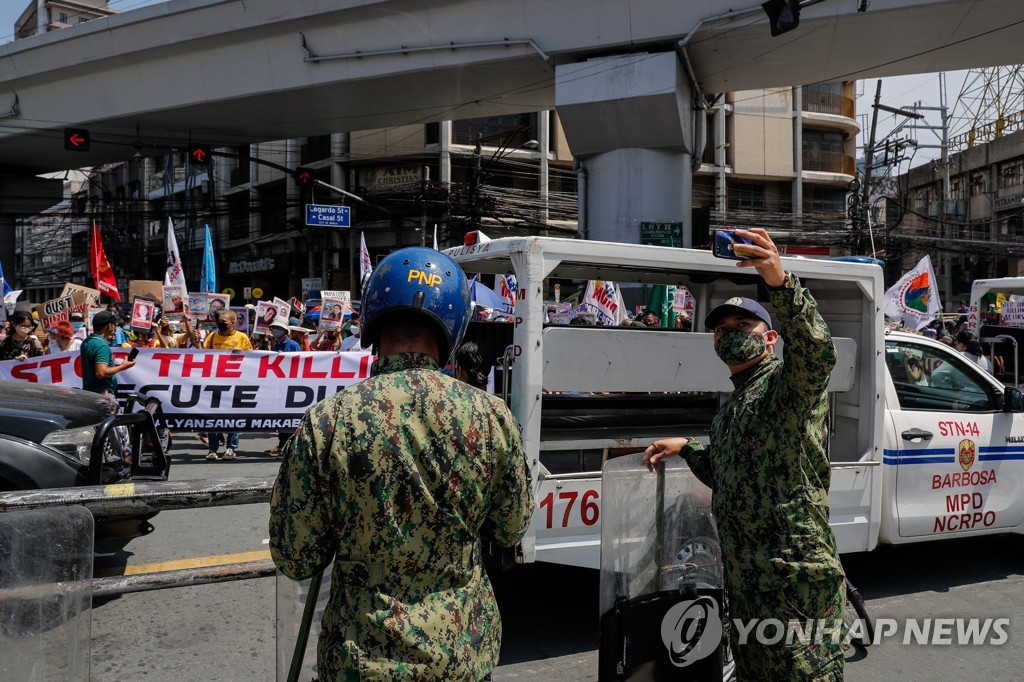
(62, 339)
(396, 479)
(225, 338)
(300, 335)
(282, 343)
(650, 319)
(78, 324)
(98, 369)
(768, 468)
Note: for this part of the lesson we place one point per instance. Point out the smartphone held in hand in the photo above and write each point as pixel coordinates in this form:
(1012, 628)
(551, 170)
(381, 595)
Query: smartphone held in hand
(133, 353)
(724, 242)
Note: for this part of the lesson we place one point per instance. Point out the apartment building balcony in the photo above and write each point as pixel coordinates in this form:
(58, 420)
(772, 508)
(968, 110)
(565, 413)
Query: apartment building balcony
(830, 163)
(830, 109)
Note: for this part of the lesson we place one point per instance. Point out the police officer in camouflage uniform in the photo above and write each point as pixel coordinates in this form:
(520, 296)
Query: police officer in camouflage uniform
(769, 469)
(395, 479)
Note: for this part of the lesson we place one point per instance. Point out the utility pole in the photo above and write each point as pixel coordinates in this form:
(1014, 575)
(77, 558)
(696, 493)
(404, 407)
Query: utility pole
(869, 162)
(947, 226)
(861, 217)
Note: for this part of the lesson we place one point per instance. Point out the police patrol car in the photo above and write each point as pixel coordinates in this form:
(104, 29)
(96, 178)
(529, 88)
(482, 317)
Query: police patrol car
(925, 445)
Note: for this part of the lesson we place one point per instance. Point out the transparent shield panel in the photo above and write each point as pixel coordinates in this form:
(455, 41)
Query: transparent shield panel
(657, 530)
(45, 594)
(291, 600)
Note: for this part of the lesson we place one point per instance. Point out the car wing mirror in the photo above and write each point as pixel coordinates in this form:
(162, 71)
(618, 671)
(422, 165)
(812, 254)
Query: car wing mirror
(1013, 399)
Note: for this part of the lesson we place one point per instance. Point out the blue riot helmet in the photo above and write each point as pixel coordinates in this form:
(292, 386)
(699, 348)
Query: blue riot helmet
(419, 280)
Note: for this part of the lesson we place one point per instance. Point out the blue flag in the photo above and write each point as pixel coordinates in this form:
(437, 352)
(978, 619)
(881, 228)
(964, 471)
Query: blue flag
(208, 276)
(3, 280)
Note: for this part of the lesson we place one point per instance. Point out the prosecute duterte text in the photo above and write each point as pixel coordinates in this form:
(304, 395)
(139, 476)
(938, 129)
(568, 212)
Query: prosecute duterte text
(207, 390)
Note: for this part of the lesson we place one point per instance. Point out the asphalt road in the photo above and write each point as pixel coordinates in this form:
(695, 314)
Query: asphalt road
(226, 631)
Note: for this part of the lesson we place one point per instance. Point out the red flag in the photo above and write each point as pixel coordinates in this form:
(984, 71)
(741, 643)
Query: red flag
(102, 274)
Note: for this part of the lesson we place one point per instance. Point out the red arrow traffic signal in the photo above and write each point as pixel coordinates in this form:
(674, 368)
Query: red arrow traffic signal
(76, 139)
(304, 176)
(199, 153)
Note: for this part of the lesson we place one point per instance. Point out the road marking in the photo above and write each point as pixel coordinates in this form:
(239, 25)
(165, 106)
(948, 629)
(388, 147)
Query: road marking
(196, 562)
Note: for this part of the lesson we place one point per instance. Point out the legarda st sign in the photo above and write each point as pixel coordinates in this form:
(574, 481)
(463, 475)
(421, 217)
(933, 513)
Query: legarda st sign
(328, 216)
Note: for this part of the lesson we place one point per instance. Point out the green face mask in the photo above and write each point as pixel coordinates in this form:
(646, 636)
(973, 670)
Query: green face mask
(736, 346)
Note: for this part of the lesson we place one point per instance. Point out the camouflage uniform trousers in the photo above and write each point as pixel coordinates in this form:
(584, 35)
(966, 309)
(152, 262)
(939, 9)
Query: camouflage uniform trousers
(814, 659)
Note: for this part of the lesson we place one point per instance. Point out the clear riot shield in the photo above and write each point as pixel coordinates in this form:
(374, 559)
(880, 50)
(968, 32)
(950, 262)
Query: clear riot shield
(292, 599)
(45, 594)
(662, 603)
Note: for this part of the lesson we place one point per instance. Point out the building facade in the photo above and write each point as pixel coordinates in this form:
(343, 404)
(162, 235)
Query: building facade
(973, 228)
(42, 16)
(781, 159)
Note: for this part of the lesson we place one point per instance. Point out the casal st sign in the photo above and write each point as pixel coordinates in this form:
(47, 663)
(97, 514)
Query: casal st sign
(328, 216)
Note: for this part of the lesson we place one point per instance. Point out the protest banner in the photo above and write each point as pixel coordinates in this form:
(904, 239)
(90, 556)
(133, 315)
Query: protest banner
(197, 305)
(92, 296)
(215, 304)
(53, 311)
(332, 310)
(311, 287)
(10, 301)
(148, 288)
(142, 313)
(265, 314)
(174, 298)
(1012, 314)
(206, 390)
(242, 319)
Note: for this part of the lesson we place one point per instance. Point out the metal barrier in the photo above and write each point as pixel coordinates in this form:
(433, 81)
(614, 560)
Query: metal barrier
(134, 498)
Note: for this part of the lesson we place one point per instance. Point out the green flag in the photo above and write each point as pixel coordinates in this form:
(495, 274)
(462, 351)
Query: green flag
(660, 303)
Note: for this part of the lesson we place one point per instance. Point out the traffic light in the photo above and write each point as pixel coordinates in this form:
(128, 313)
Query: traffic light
(304, 177)
(76, 139)
(784, 15)
(199, 153)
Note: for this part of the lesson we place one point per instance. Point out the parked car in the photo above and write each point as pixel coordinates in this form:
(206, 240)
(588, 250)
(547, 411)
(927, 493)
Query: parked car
(58, 437)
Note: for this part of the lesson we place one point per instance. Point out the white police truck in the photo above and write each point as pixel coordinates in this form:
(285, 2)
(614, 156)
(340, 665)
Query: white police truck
(925, 445)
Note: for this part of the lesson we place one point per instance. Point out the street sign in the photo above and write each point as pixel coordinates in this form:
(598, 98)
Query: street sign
(229, 291)
(328, 216)
(257, 292)
(247, 293)
(661, 234)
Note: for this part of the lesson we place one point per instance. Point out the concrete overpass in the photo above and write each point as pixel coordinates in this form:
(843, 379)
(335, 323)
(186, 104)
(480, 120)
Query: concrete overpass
(233, 72)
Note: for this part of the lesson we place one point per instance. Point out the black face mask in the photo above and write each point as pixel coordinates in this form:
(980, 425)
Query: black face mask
(223, 327)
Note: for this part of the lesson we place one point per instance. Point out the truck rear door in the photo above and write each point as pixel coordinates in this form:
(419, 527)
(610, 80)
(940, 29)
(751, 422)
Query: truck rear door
(956, 464)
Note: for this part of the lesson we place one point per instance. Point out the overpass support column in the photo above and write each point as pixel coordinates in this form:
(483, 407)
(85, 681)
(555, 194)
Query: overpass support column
(630, 121)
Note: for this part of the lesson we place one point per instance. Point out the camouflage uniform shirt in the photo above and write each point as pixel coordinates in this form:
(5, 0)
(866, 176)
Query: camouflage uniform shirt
(768, 464)
(395, 478)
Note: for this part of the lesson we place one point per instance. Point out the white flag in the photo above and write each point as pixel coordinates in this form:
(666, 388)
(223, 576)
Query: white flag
(365, 266)
(175, 274)
(915, 298)
(505, 286)
(606, 299)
